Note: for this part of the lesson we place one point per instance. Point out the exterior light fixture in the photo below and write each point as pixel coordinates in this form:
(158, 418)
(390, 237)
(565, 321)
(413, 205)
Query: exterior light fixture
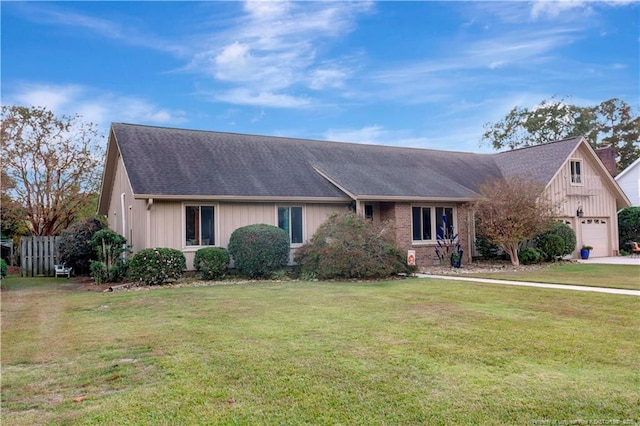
(579, 213)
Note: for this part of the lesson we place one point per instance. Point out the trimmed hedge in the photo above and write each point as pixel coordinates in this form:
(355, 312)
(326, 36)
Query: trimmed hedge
(349, 246)
(529, 255)
(211, 262)
(3, 268)
(259, 250)
(157, 265)
(551, 247)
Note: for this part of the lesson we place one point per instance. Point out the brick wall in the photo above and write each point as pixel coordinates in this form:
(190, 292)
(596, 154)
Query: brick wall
(400, 214)
(608, 158)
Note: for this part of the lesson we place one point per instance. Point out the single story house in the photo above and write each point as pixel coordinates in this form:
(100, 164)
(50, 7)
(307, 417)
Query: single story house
(629, 181)
(187, 189)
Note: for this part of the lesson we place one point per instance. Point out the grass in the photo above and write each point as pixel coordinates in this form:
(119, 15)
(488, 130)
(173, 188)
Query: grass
(594, 275)
(416, 351)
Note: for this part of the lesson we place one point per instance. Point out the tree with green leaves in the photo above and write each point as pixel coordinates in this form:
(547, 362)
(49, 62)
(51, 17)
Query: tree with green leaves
(53, 164)
(611, 123)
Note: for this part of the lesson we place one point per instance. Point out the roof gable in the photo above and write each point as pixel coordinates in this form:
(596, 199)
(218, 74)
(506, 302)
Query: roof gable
(538, 162)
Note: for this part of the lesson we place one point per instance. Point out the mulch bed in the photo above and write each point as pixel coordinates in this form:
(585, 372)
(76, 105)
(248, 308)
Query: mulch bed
(480, 267)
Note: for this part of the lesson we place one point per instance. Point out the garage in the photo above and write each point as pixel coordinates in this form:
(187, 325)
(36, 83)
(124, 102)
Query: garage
(595, 233)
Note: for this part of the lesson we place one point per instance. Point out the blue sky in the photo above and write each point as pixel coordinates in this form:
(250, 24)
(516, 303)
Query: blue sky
(421, 74)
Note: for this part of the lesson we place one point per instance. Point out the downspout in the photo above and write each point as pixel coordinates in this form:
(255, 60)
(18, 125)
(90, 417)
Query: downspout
(471, 233)
(124, 226)
(124, 219)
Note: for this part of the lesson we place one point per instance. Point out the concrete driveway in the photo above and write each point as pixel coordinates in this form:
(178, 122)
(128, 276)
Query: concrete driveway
(617, 260)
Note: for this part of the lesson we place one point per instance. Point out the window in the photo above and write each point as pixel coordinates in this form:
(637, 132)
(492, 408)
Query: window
(576, 172)
(428, 223)
(290, 219)
(368, 211)
(199, 226)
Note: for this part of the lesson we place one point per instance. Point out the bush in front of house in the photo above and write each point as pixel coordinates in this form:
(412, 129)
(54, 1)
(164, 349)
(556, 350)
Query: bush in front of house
(552, 247)
(109, 248)
(74, 249)
(156, 266)
(486, 248)
(628, 227)
(349, 246)
(568, 235)
(529, 255)
(211, 262)
(3, 268)
(259, 250)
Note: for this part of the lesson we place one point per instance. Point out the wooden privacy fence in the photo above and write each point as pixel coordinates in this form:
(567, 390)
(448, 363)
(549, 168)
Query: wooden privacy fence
(38, 255)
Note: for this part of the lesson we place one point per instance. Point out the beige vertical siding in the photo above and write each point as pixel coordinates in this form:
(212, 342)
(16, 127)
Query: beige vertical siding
(232, 216)
(135, 231)
(595, 197)
(166, 221)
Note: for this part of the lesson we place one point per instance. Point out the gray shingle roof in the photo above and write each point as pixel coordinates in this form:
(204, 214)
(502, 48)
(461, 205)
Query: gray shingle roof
(539, 162)
(166, 161)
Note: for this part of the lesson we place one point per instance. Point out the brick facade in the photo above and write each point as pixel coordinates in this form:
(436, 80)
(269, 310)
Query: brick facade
(400, 214)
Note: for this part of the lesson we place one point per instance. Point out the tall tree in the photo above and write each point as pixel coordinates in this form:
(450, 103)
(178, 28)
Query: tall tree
(608, 124)
(11, 214)
(53, 163)
(511, 212)
(619, 129)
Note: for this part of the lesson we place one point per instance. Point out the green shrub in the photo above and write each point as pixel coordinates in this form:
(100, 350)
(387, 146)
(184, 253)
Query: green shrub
(74, 249)
(259, 250)
(3, 268)
(486, 248)
(109, 248)
(211, 262)
(567, 234)
(348, 246)
(157, 265)
(628, 227)
(551, 246)
(529, 255)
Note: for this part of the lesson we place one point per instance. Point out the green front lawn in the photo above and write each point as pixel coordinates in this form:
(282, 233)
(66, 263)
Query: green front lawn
(416, 351)
(594, 275)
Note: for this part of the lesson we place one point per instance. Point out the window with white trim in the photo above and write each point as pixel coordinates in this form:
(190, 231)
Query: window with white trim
(199, 225)
(290, 219)
(427, 222)
(576, 172)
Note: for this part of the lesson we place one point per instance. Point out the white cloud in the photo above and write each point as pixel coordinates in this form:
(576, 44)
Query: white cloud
(51, 97)
(130, 33)
(324, 78)
(555, 8)
(463, 138)
(244, 96)
(233, 61)
(273, 49)
(482, 61)
(92, 105)
(369, 135)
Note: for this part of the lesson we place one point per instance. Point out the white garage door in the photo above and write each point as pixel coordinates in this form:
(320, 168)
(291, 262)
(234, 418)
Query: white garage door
(595, 233)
